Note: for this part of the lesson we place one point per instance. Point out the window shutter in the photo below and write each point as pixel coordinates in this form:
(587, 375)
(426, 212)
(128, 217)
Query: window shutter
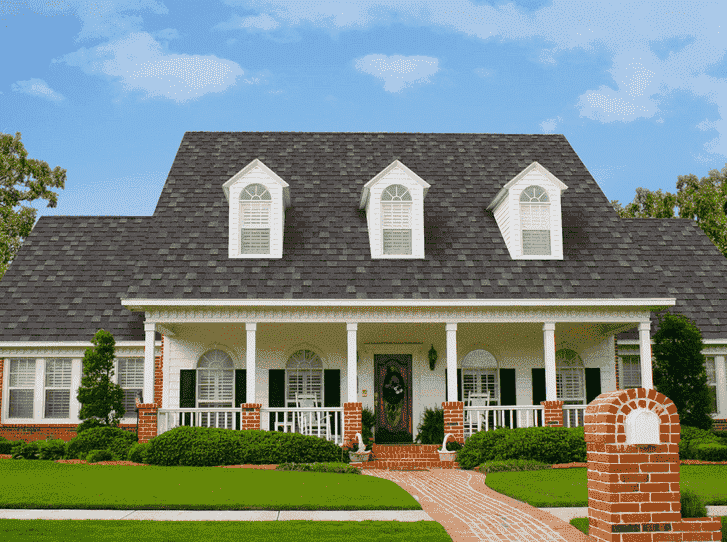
(240, 387)
(459, 384)
(276, 391)
(538, 385)
(507, 387)
(187, 388)
(593, 383)
(332, 387)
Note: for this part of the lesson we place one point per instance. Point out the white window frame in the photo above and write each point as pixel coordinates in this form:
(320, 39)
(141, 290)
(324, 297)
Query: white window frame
(397, 216)
(218, 376)
(62, 382)
(712, 381)
(482, 366)
(23, 387)
(129, 414)
(569, 366)
(634, 381)
(302, 364)
(540, 204)
(258, 206)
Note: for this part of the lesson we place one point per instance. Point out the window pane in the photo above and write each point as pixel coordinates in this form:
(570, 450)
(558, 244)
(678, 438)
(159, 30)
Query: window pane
(22, 373)
(569, 384)
(535, 217)
(397, 241)
(21, 404)
(131, 373)
(631, 377)
(711, 374)
(255, 215)
(536, 242)
(57, 403)
(396, 215)
(255, 241)
(58, 373)
(130, 396)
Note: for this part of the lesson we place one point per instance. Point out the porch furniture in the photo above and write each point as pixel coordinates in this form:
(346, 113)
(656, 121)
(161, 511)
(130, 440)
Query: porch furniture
(284, 421)
(311, 422)
(473, 418)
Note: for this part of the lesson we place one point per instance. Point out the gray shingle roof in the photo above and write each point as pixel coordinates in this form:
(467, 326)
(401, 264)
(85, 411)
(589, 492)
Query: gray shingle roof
(181, 252)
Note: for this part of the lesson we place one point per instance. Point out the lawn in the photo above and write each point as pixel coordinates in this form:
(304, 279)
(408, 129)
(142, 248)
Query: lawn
(220, 531)
(567, 487)
(45, 484)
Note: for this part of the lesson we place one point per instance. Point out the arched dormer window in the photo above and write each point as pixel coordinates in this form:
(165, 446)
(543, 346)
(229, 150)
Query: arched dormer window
(570, 378)
(304, 376)
(480, 375)
(396, 209)
(215, 380)
(535, 221)
(255, 209)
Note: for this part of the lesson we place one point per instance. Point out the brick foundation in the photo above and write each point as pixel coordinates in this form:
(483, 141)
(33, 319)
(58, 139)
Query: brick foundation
(720, 425)
(351, 422)
(454, 419)
(552, 413)
(147, 421)
(633, 489)
(30, 433)
(250, 416)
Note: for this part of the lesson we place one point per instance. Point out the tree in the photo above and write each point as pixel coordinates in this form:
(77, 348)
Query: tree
(18, 171)
(704, 201)
(679, 369)
(100, 398)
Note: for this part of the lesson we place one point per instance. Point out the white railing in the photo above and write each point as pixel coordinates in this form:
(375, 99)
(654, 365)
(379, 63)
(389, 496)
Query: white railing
(574, 415)
(221, 418)
(323, 422)
(478, 418)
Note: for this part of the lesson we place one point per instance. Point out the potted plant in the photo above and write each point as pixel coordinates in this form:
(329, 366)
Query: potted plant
(354, 455)
(449, 449)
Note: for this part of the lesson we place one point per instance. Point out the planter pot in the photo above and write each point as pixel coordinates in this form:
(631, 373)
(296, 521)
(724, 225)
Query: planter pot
(357, 457)
(447, 456)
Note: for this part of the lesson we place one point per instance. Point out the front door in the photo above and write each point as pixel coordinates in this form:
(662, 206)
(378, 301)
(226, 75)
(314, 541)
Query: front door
(392, 384)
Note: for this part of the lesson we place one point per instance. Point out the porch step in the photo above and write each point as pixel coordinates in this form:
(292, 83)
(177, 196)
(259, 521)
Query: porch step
(387, 464)
(406, 457)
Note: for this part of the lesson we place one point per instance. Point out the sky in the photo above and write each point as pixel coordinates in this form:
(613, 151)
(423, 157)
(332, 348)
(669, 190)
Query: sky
(106, 89)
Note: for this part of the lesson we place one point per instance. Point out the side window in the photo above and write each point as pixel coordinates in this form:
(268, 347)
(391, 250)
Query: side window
(255, 211)
(535, 221)
(711, 383)
(57, 388)
(131, 379)
(21, 388)
(396, 221)
(630, 372)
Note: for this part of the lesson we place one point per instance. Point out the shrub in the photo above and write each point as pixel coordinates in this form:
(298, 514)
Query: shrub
(710, 452)
(692, 505)
(453, 445)
(52, 449)
(90, 423)
(26, 450)
(204, 447)
(431, 428)
(99, 396)
(114, 439)
(94, 456)
(342, 468)
(693, 437)
(6, 446)
(549, 445)
(137, 452)
(513, 465)
(368, 420)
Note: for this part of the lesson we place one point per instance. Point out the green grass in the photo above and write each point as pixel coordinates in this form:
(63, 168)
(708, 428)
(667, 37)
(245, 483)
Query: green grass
(568, 487)
(582, 525)
(220, 531)
(45, 484)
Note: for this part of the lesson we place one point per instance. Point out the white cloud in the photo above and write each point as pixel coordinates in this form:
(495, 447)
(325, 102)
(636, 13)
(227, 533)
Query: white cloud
(259, 22)
(140, 64)
(548, 126)
(38, 88)
(398, 71)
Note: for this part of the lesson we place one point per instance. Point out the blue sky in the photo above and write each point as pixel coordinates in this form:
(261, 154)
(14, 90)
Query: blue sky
(106, 89)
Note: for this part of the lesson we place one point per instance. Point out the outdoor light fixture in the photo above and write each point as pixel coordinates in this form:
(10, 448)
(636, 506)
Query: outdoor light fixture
(432, 358)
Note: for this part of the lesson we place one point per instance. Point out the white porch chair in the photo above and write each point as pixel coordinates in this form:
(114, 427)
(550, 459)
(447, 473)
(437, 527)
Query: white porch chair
(470, 417)
(311, 423)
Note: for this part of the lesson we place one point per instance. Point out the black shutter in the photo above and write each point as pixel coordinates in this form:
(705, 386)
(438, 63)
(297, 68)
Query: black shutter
(332, 388)
(593, 383)
(446, 386)
(459, 384)
(240, 387)
(187, 393)
(539, 390)
(276, 391)
(507, 392)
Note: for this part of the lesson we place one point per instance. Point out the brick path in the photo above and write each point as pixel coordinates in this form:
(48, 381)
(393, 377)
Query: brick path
(470, 511)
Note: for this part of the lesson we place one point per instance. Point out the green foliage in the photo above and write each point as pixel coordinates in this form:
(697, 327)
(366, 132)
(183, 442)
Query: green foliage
(114, 439)
(342, 468)
(711, 452)
(692, 438)
(205, 447)
(581, 524)
(35, 175)
(137, 452)
(52, 449)
(679, 369)
(692, 504)
(94, 456)
(6, 445)
(368, 420)
(513, 465)
(26, 450)
(99, 396)
(88, 424)
(431, 428)
(550, 445)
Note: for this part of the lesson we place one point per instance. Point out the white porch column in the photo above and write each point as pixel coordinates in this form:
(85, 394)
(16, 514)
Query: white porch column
(352, 370)
(251, 374)
(647, 379)
(721, 379)
(149, 347)
(549, 359)
(451, 361)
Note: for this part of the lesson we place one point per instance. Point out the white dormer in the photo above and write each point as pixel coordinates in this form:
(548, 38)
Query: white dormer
(394, 203)
(258, 199)
(527, 210)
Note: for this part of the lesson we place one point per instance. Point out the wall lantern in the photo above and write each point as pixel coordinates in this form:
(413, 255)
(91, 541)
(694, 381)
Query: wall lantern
(432, 358)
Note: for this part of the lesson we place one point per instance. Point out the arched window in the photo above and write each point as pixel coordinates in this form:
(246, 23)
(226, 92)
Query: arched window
(480, 375)
(396, 211)
(255, 206)
(535, 221)
(570, 377)
(304, 375)
(215, 380)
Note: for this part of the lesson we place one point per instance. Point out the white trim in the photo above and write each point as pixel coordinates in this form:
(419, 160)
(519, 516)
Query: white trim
(549, 361)
(248, 168)
(59, 344)
(535, 165)
(367, 187)
(626, 342)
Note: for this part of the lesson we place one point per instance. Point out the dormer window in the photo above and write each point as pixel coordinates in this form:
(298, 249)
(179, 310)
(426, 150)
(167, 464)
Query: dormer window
(535, 221)
(396, 219)
(255, 207)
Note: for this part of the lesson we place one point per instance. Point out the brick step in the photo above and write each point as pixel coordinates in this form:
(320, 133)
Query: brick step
(406, 465)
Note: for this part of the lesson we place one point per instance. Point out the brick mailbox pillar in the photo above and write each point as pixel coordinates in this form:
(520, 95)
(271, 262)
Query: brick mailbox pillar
(632, 439)
(351, 422)
(454, 419)
(552, 413)
(250, 416)
(147, 425)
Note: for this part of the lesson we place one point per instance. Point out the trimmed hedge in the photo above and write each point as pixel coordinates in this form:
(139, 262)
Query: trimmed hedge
(513, 465)
(6, 446)
(693, 438)
(114, 439)
(207, 447)
(94, 456)
(710, 452)
(26, 450)
(52, 449)
(137, 452)
(549, 445)
(342, 468)
(692, 504)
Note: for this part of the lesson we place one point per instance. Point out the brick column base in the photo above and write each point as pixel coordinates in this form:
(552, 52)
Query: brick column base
(351, 422)
(147, 421)
(552, 413)
(250, 416)
(454, 419)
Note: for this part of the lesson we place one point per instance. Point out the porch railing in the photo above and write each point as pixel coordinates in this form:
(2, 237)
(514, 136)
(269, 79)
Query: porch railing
(574, 415)
(221, 418)
(323, 422)
(477, 418)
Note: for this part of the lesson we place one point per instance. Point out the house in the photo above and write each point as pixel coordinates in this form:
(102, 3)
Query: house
(304, 275)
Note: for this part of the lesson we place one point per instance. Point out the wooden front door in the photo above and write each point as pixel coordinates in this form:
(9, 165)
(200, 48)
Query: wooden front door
(392, 385)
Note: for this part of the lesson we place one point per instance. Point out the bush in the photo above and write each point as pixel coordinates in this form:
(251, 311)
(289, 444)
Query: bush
(692, 505)
(26, 450)
(6, 446)
(513, 465)
(52, 449)
(692, 438)
(204, 447)
(90, 423)
(710, 452)
(114, 439)
(431, 428)
(137, 452)
(342, 468)
(549, 445)
(94, 456)
(368, 420)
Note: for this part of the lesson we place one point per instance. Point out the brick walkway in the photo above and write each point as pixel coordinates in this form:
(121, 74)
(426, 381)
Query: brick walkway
(470, 511)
